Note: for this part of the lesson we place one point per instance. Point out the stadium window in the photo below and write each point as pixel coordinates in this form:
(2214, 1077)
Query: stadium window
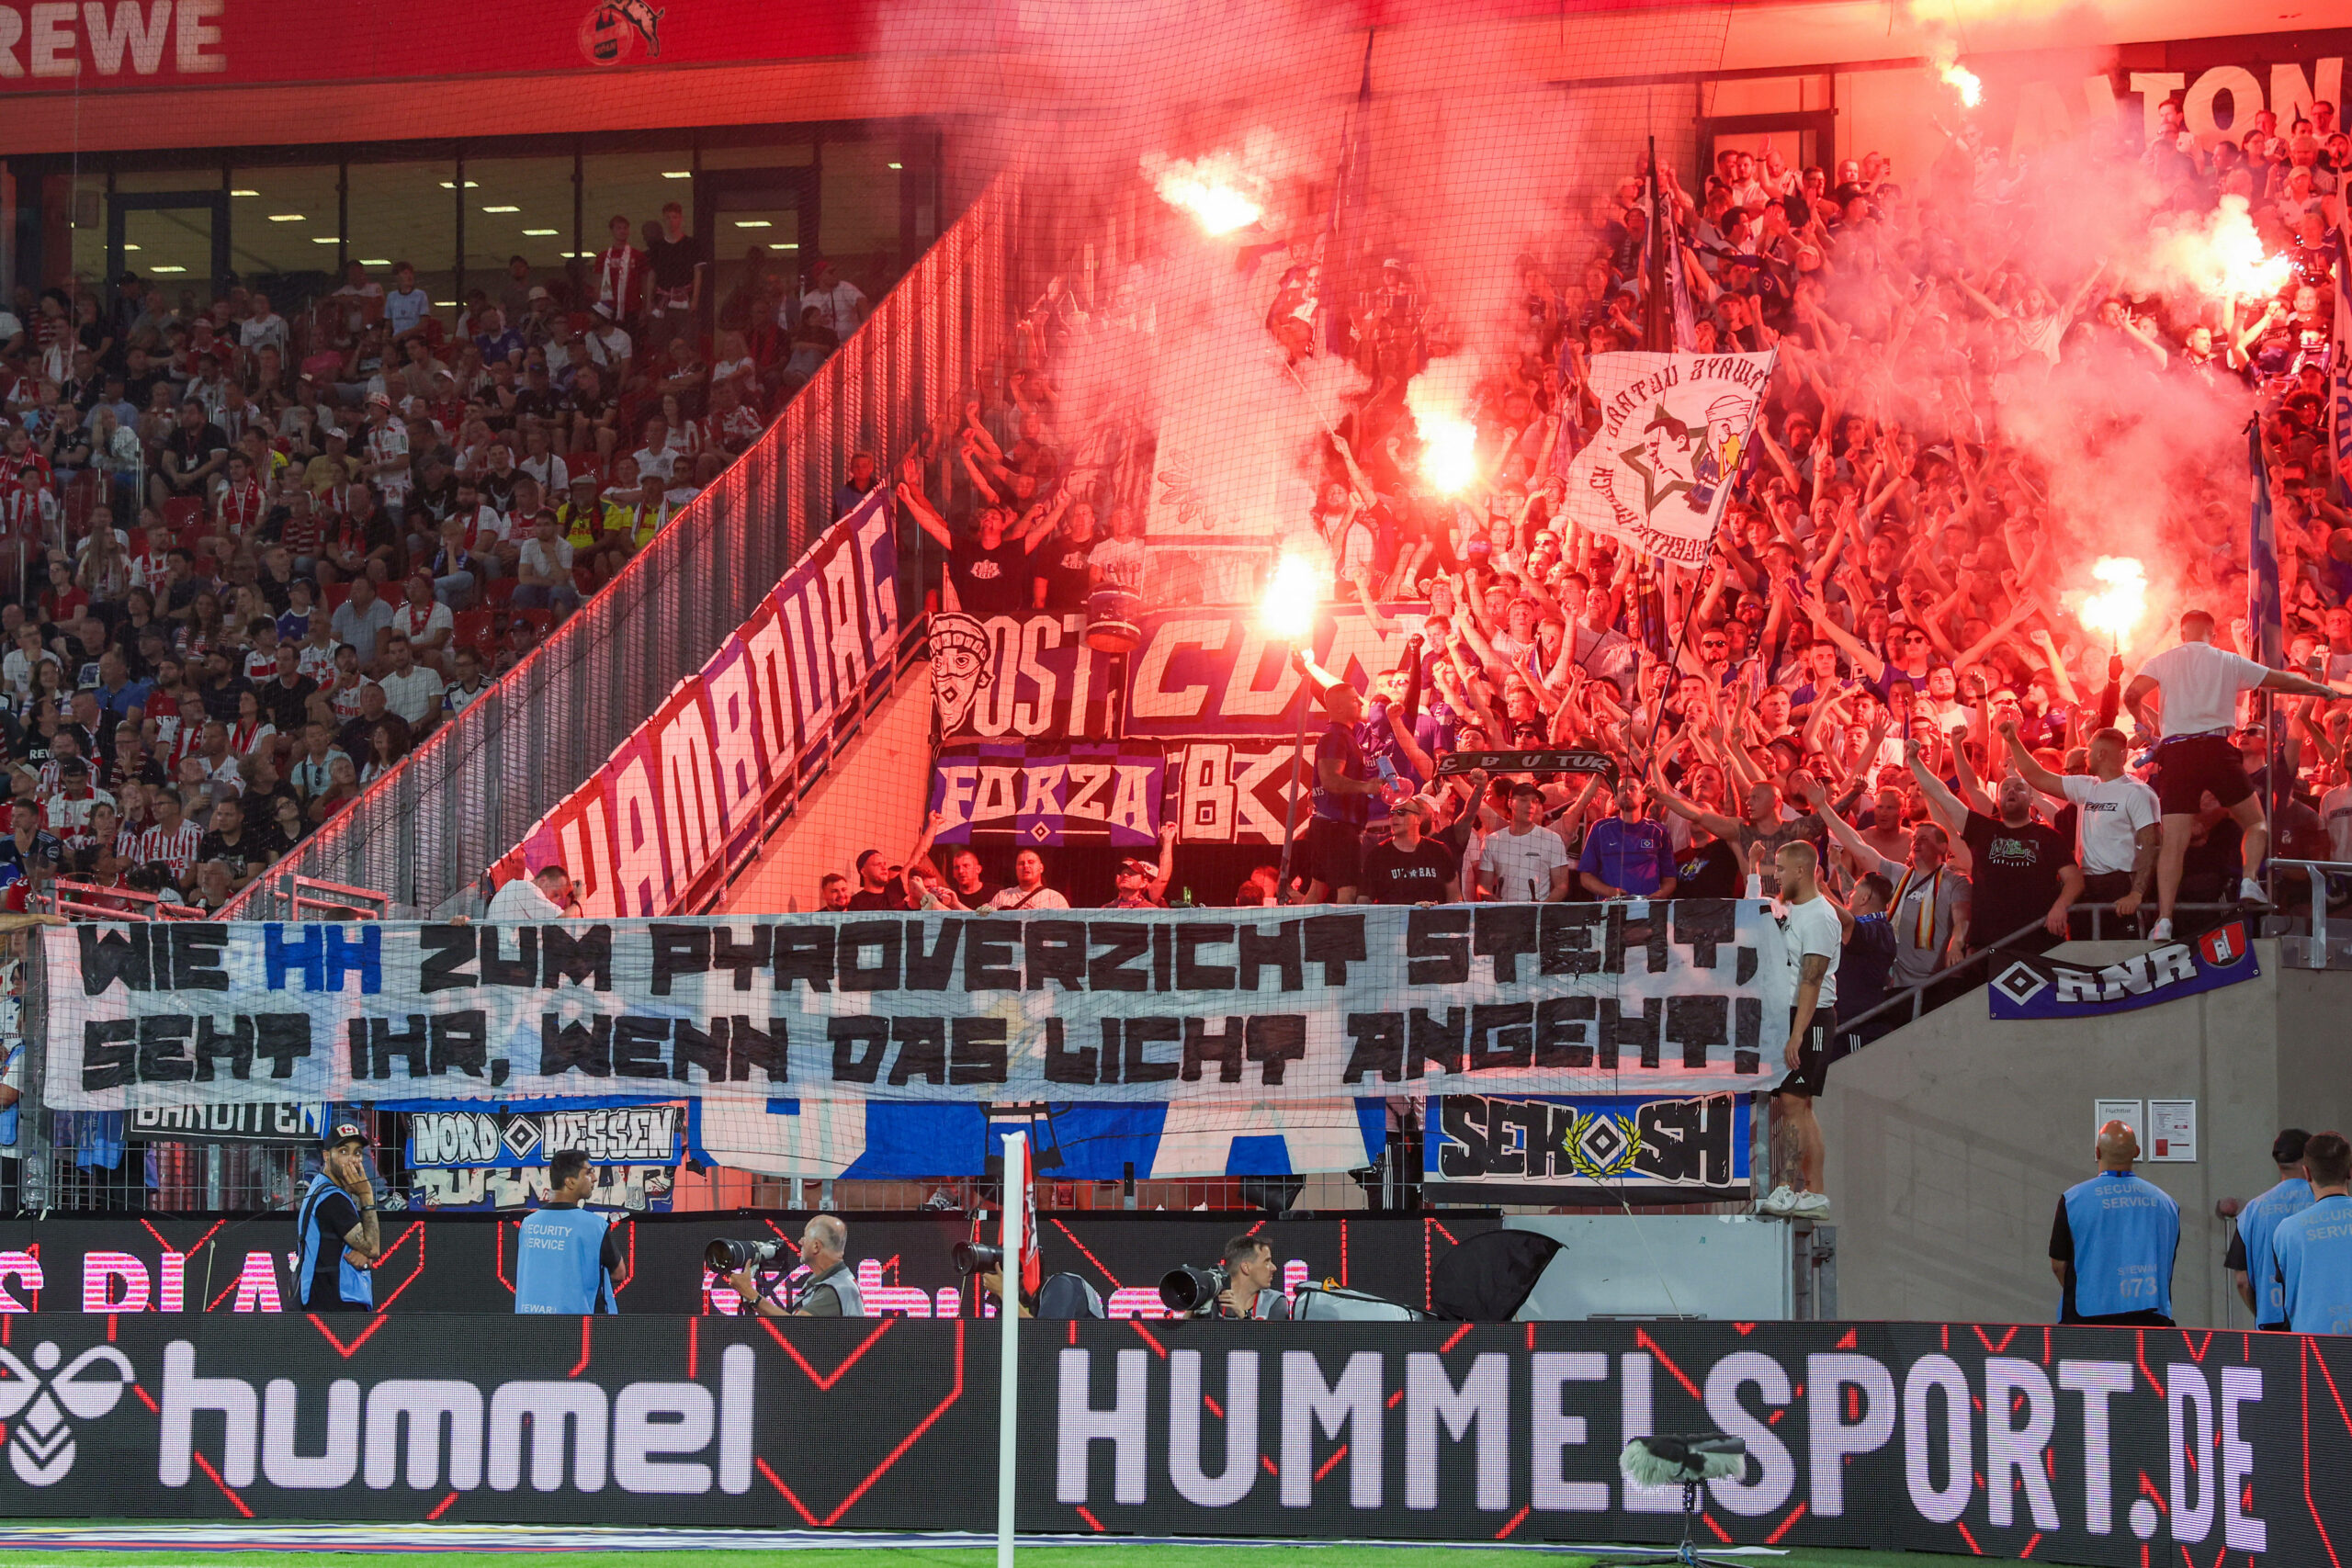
(404, 212)
(516, 207)
(290, 236)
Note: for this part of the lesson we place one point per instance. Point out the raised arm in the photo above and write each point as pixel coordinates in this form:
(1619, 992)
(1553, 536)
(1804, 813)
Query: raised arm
(928, 520)
(1951, 816)
(2033, 772)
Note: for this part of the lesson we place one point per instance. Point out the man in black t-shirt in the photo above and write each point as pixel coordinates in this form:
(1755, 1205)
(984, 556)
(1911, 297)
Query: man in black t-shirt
(1409, 868)
(988, 575)
(2021, 869)
(1060, 566)
(192, 456)
(247, 850)
(1708, 868)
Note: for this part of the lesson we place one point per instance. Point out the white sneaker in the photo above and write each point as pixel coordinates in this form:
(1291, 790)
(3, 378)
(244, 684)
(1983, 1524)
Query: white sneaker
(1812, 1206)
(1781, 1202)
(2250, 893)
(2162, 932)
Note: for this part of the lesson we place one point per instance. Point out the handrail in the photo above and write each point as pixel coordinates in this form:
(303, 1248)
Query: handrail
(2318, 871)
(1984, 955)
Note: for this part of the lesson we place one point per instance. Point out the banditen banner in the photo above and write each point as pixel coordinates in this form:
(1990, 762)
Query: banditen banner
(656, 827)
(1139, 1006)
(2075, 1445)
(1673, 427)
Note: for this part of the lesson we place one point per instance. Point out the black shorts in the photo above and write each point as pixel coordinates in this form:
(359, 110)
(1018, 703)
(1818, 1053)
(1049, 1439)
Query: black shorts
(1812, 1073)
(1334, 852)
(2188, 765)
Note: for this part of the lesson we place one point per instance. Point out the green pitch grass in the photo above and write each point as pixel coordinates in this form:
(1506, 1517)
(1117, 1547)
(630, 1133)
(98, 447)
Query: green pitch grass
(1107, 1555)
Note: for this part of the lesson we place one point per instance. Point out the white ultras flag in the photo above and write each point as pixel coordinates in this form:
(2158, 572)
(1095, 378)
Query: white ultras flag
(1673, 430)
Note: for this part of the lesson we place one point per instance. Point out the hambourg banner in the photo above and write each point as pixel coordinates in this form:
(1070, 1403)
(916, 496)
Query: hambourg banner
(687, 794)
(2100, 1446)
(1111, 1005)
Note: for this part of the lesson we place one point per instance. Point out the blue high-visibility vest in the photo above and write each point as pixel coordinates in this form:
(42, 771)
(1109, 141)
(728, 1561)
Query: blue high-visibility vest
(559, 1263)
(2127, 1231)
(357, 1285)
(2258, 1224)
(2314, 1251)
(8, 1117)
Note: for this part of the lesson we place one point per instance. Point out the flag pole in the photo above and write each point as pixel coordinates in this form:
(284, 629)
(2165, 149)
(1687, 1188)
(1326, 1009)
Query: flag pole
(1008, 1409)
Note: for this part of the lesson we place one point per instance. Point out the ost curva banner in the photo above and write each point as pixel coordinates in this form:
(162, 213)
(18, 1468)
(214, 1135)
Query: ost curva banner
(1132, 1006)
(2094, 1446)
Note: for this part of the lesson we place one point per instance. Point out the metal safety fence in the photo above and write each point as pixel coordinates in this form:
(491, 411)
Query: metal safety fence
(424, 835)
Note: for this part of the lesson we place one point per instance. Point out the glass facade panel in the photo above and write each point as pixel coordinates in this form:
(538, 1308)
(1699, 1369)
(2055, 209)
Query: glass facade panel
(516, 207)
(858, 197)
(289, 231)
(404, 212)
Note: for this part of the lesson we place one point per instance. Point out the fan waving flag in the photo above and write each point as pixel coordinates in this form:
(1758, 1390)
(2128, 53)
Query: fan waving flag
(2339, 372)
(2265, 620)
(1674, 432)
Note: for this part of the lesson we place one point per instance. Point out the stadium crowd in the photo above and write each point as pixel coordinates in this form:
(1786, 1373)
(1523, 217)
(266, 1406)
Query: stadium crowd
(1885, 656)
(247, 561)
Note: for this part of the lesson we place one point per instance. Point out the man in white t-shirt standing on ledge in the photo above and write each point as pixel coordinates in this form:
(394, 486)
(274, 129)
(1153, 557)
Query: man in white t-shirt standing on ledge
(2116, 817)
(1814, 930)
(2200, 685)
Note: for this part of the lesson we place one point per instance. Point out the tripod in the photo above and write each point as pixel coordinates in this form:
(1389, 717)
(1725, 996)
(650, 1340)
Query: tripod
(1660, 1460)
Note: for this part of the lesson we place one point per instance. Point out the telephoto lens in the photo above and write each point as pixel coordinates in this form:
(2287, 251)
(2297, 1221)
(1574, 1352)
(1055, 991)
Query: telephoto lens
(977, 1258)
(1190, 1291)
(733, 1257)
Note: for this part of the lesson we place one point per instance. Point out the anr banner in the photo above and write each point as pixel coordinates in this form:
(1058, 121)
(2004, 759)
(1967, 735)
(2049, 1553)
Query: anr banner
(1673, 429)
(1111, 1005)
(2030, 987)
(1481, 1149)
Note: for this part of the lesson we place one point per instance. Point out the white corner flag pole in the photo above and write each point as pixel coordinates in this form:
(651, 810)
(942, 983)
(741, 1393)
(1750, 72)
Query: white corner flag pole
(1007, 1419)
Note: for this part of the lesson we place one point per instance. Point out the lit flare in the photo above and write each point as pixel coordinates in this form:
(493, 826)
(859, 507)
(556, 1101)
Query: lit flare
(1288, 611)
(2114, 609)
(1213, 191)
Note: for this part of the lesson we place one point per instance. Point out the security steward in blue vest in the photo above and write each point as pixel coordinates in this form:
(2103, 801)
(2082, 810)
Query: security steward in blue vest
(2315, 1246)
(335, 1227)
(566, 1258)
(2115, 1240)
(2252, 1256)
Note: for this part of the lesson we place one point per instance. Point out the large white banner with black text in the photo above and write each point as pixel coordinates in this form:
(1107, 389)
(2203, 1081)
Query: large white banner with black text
(1104, 1005)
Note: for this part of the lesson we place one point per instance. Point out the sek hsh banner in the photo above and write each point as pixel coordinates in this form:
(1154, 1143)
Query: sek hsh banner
(2028, 988)
(2097, 1446)
(1133, 1006)
(1484, 1148)
(655, 828)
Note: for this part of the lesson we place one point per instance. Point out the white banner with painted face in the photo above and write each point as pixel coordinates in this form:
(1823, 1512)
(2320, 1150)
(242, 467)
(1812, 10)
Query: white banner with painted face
(1674, 428)
(1116, 1005)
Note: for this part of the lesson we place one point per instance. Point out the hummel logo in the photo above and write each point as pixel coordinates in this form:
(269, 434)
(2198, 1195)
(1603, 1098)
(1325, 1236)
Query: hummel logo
(40, 1445)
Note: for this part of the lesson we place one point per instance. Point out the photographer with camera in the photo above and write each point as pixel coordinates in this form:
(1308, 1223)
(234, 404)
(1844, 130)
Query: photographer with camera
(1242, 1286)
(831, 1289)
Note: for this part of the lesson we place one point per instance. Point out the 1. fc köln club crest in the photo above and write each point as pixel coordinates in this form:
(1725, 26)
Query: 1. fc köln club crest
(612, 29)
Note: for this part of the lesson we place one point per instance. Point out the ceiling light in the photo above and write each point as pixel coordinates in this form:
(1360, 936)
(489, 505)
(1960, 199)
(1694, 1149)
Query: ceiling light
(129, 247)
(244, 193)
(897, 165)
(787, 245)
(677, 174)
(446, 304)
(373, 261)
(754, 224)
(326, 239)
(452, 184)
(167, 269)
(501, 209)
(539, 233)
(286, 218)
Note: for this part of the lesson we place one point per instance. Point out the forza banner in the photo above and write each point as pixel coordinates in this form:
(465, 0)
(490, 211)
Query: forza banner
(1483, 1148)
(1042, 796)
(2030, 987)
(2097, 1446)
(1137, 1006)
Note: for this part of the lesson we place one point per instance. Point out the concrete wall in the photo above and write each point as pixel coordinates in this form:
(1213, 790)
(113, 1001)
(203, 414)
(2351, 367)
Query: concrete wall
(1951, 1140)
(873, 798)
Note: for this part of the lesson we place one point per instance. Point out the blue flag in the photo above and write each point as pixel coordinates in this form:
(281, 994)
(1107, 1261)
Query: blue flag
(2265, 620)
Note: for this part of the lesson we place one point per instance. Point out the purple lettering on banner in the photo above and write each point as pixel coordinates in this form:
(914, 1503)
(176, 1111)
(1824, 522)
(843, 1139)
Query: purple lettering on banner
(1040, 797)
